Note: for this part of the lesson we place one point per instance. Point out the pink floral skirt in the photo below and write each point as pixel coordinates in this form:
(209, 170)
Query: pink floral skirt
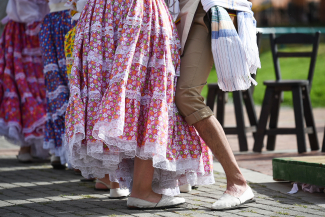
(122, 86)
(22, 95)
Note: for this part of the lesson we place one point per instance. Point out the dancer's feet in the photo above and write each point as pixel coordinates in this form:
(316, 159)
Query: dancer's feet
(212, 133)
(185, 188)
(24, 155)
(142, 195)
(236, 190)
(56, 162)
(116, 192)
(163, 203)
(228, 201)
(149, 196)
(77, 172)
(103, 184)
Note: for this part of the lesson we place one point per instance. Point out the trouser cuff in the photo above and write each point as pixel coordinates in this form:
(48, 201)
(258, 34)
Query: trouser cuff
(199, 115)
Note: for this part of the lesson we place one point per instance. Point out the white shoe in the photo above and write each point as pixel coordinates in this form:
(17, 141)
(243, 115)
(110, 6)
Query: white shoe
(230, 202)
(185, 188)
(108, 186)
(118, 193)
(25, 157)
(165, 202)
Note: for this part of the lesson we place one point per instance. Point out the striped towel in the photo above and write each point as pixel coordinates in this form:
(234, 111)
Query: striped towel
(235, 54)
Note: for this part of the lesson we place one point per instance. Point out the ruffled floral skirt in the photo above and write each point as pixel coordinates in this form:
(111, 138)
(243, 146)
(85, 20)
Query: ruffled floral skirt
(122, 85)
(22, 90)
(52, 35)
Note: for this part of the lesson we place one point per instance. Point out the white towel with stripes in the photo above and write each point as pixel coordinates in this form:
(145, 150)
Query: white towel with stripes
(235, 55)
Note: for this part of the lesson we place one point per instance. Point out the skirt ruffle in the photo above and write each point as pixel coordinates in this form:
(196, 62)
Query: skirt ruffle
(54, 28)
(122, 90)
(22, 103)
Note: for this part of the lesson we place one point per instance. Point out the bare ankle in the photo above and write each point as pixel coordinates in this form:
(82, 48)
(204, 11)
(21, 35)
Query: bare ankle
(236, 189)
(115, 185)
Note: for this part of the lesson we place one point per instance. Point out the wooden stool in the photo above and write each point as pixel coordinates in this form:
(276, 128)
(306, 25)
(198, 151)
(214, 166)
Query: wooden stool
(323, 149)
(300, 91)
(238, 97)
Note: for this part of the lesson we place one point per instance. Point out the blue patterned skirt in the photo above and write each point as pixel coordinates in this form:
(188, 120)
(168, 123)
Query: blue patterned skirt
(54, 28)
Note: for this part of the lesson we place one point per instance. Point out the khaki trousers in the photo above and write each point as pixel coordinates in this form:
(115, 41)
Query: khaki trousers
(196, 64)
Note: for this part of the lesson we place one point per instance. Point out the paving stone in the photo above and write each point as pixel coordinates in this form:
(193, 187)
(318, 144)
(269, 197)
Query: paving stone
(4, 204)
(47, 192)
(6, 210)
(13, 215)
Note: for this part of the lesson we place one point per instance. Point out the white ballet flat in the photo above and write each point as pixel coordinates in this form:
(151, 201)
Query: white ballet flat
(185, 188)
(108, 186)
(230, 202)
(25, 158)
(118, 193)
(165, 202)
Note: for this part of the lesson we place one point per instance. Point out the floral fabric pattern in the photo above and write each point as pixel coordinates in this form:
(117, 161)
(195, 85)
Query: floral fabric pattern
(22, 90)
(68, 48)
(122, 85)
(54, 28)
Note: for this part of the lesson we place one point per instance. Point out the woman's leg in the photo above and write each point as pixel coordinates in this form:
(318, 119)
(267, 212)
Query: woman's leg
(142, 180)
(106, 180)
(25, 149)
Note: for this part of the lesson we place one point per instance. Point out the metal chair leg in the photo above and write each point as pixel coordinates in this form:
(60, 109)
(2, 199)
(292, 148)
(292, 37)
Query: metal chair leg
(299, 114)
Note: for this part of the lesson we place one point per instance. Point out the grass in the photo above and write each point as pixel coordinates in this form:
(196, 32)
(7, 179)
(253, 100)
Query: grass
(304, 206)
(278, 196)
(282, 213)
(252, 211)
(291, 68)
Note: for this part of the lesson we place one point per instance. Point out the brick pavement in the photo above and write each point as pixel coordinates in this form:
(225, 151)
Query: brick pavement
(286, 145)
(37, 190)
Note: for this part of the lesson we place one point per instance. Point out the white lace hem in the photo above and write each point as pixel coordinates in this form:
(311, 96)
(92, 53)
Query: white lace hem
(13, 134)
(94, 162)
(57, 151)
(54, 94)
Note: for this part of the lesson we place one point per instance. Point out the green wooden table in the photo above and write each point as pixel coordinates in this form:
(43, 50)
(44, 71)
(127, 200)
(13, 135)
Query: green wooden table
(309, 170)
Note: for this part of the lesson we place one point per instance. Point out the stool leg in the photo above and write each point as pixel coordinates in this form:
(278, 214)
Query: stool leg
(299, 114)
(250, 108)
(274, 120)
(323, 149)
(261, 127)
(221, 102)
(212, 92)
(309, 118)
(241, 130)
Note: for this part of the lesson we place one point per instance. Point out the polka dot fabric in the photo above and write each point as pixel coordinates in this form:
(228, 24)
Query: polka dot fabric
(54, 28)
(122, 84)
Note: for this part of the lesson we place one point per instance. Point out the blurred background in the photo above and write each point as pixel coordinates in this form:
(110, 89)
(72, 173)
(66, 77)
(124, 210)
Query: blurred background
(289, 12)
(288, 16)
(280, 16)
